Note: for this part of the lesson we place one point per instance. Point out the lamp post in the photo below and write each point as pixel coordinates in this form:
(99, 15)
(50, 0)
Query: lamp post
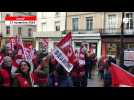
(122, 42)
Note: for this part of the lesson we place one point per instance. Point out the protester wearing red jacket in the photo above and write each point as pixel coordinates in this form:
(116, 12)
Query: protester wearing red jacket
(75, 74)
(41, 73)
(5, 72)
(23, 76)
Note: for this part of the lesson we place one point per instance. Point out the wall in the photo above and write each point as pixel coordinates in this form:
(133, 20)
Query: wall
(97, 19)
(50, 20)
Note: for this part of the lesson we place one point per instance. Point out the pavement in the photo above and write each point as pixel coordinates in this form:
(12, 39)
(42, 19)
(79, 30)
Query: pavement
(95, 81)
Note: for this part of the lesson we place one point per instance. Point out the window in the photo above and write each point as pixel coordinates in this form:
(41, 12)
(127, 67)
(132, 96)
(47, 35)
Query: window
(7, 15)
(8, 29)
(75, 24)
(19, 30)
(44, 27)
(57, 14)
(112, 49)
(89, 23)
(29, 32)
(111, 23)
(131, 46)
(129, 25)
(57, 26)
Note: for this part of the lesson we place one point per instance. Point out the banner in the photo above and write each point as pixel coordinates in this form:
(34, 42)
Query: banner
(20, 20)
(62, 59)
(120, 77)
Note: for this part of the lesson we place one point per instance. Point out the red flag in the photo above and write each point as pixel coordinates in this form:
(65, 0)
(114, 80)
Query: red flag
(11, 43)
(44, 42)
(66, 47)
(1, 58)
(120, 77)
(81, 57)
(64, 53)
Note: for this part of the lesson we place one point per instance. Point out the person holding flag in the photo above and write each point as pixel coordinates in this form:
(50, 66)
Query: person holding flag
(25, 54)
(42, 72)
(65, 57)
(82, 66)
(75, 71)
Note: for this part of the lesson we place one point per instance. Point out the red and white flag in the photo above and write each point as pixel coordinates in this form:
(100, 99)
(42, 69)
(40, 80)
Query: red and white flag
(45, 42)
(1, 58)
(120, 77)
(64, 53)
(11, 43)
(81, 57)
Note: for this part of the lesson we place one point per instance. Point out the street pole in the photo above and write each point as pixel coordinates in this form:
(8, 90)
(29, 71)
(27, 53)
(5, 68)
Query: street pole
(122, 42)
(66, 23)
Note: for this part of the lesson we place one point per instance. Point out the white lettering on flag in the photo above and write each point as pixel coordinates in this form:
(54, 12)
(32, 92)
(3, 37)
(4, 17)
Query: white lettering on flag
(62, 59)
(81, 62)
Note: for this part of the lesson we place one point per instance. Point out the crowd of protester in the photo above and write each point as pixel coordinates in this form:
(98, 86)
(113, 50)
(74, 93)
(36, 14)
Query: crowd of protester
(45, 71)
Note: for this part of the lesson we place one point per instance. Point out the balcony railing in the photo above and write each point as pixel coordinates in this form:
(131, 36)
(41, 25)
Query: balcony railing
(111, 31)
(116, 31)
(84, 31)
(104, 31)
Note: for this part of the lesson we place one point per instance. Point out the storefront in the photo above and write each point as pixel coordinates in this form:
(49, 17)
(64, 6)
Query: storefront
(50, 41)
(93, 45)
(91, 40)
(111, 45)
(26, 41)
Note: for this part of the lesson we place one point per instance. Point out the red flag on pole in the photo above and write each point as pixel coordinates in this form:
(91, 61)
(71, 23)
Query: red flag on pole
(66, 46)
(120, 77)
(81, 57)
(1, 58)
(11, 43)
(64, 53)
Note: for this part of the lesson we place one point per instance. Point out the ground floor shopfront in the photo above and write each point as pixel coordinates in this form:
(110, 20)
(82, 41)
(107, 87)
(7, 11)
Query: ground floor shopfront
(50, 38)
(26, 41)
(91, 40)
(111, 45)
(51, 42)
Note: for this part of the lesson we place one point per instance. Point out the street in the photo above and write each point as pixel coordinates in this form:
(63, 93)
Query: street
(95, 81)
